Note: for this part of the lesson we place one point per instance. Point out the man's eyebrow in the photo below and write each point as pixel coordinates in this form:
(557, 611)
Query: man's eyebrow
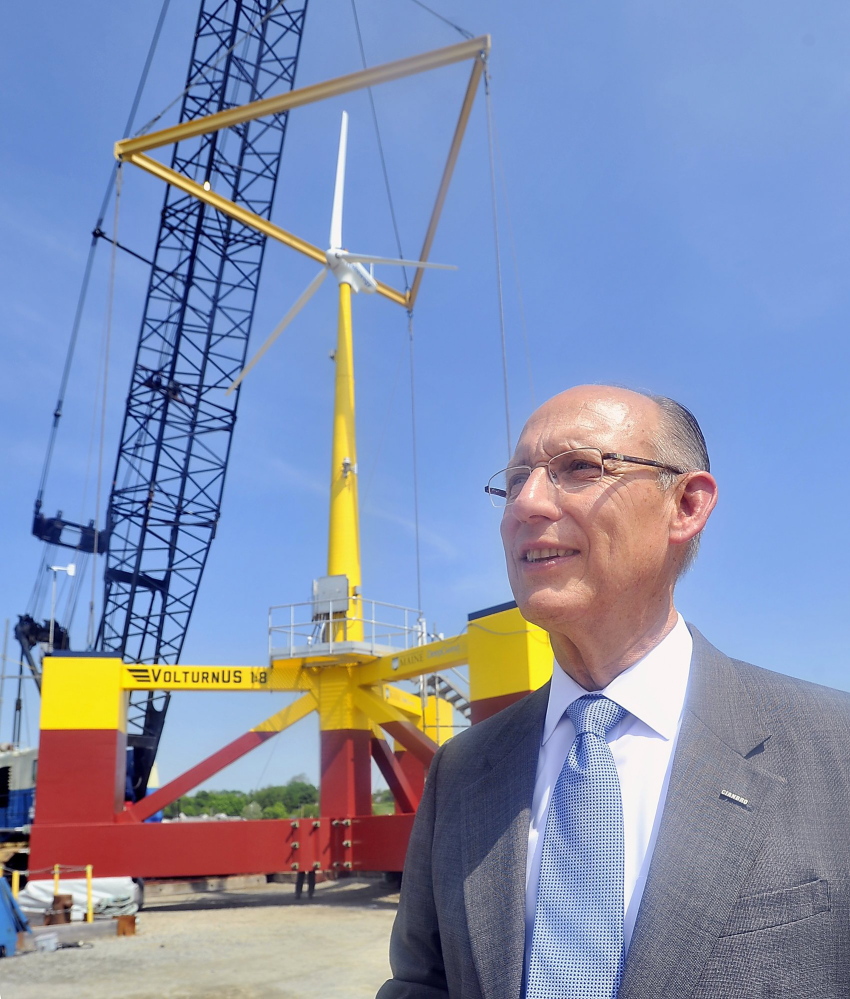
(520, 458)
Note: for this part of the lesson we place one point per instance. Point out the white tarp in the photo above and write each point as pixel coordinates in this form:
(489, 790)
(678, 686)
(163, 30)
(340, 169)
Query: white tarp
(110, 897)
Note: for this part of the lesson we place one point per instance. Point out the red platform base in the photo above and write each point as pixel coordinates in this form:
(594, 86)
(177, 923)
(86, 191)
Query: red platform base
(195, 849)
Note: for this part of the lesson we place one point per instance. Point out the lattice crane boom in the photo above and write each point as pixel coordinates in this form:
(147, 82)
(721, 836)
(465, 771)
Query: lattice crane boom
(178, 424)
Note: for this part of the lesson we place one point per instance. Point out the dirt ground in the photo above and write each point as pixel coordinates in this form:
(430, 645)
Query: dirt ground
(236, 944)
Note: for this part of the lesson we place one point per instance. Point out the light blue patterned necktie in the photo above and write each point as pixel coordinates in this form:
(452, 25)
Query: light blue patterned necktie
(577, 942)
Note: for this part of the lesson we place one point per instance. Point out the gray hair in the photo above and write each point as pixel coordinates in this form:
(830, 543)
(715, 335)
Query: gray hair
(680, 443)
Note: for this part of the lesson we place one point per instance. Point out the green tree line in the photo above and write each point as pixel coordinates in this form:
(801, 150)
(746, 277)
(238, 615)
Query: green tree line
(297, 797)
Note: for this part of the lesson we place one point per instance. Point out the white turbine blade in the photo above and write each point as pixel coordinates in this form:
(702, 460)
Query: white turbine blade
(339, 186)
(303, 299)
(366, 258)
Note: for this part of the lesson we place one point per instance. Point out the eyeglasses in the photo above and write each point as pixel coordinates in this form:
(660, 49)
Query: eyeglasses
(568, 471)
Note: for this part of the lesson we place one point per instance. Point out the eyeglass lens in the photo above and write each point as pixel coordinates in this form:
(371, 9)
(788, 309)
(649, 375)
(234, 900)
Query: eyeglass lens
(570, 470)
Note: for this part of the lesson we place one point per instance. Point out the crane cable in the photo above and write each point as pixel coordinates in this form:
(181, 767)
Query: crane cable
(81, 300)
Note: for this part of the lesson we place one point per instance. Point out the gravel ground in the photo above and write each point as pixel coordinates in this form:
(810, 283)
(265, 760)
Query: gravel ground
(244, 944)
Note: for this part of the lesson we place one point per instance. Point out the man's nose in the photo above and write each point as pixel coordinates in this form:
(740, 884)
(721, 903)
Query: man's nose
(538, 497)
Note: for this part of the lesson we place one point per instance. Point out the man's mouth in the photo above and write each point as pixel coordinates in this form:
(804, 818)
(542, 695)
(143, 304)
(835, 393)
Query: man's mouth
(540, 554)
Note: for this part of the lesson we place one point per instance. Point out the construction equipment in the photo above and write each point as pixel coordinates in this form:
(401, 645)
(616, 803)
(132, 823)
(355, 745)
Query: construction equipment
(178, 422)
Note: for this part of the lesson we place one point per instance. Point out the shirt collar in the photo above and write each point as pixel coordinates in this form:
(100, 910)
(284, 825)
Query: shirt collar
(652, 689)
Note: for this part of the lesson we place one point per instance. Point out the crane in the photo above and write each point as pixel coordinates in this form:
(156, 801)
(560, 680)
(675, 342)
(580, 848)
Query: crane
(178, 422)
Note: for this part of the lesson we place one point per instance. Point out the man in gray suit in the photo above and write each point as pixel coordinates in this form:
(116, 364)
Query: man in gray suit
(723, 869)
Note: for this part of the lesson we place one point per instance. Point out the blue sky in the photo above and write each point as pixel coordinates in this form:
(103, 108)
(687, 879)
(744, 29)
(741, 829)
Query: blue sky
(676, 178)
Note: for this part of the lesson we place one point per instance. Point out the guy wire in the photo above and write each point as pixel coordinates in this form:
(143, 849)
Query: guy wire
(492, 158)
(197, 79)
(409, 318)
(37, 594)
(369, 475)
(81, 300)
(415, 462)
(380, 146)
(445, 20)
(77, 589)
(515, 261)
(110, 300)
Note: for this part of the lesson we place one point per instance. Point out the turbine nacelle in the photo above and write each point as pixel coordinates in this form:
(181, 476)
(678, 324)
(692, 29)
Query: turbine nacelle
(350, 272)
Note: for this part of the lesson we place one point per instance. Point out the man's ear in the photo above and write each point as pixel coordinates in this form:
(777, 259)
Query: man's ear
(695, 498)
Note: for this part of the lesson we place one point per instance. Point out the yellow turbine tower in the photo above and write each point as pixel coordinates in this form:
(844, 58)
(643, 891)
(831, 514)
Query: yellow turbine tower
(352, 277)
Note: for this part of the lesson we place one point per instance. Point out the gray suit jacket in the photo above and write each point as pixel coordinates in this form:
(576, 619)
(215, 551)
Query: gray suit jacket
(742, 901)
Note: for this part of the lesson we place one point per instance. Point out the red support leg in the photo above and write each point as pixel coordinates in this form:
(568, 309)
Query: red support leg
(346, 781)
(413, 739)
(81, 775)
(414, 770)
(407, 800)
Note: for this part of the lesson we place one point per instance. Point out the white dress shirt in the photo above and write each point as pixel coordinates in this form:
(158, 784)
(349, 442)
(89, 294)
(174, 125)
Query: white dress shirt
(642, 744)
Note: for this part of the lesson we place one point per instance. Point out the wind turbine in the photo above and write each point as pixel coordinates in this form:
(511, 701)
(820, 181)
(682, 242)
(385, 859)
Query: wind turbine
(347, 267)
(352, 277)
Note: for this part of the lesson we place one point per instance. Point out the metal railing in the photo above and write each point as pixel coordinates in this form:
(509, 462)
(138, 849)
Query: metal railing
(329, 627)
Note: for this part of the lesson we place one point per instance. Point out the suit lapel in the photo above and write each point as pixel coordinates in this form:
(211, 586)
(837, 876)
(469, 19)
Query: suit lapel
(495, 841)
(707, 842)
